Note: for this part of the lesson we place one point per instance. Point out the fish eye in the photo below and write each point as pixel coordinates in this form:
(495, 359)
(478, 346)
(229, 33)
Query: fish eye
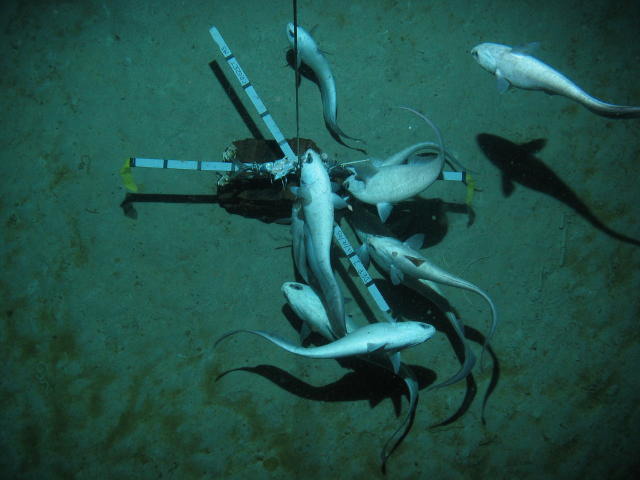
(296, 286)
(309, 159)
(474, 52)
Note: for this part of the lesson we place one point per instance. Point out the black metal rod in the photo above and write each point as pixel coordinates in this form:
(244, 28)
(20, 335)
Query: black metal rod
(297, 76)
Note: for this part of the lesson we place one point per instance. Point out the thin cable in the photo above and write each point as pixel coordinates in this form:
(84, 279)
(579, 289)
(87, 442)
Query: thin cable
(297, 76)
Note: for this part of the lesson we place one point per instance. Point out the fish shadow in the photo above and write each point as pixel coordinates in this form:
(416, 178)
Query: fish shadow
(365, 382)
(519, 164)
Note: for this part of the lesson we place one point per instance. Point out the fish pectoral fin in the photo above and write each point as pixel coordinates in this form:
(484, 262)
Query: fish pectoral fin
(507, 185)
(339, 202)
(501, 82)
(374, 347)
(305, 331)
(396, 275)
(363, 254)
(301, 193)
(384, 210)
(415, 241)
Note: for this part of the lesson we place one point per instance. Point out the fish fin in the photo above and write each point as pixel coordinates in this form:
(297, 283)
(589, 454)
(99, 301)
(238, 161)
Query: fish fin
(365, 172)
(301, 193)
(334, 187)
(374, 347)
(534, 146)
(501, 82)
(507, 185)
(363, 254)
(395, 360)
(419, 160)
(305, 331)
(389, 317)
(384, 210)
(339, 202)
(416, 261)
(377, 162)
(415, 241)
(526, 49)
(396, 275)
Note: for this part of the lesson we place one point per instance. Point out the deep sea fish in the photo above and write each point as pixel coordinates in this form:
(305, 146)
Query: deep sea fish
(307, 305)
(406, 261)
(298, 242)
(513, 66)
(395, 182)
(310, 54)
(376, 337)
(318, 201)
(518, 163)
(426, 288)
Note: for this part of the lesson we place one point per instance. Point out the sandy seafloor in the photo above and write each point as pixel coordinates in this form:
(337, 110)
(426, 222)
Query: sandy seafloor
(108, 322)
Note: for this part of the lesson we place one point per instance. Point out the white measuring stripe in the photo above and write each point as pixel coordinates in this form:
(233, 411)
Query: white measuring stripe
(453, 176)
(181, 164)
(228, 167)
(253, 96)
(348, 250)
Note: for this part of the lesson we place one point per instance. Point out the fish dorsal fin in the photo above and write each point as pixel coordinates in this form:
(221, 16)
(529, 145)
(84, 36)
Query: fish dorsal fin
(534, 146)
(415, 241)
(416, 261)
(365, 172)
(526, 49)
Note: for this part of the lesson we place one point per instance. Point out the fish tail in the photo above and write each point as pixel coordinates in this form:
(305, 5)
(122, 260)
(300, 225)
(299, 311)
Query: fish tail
(442, 154)
(612, 111)
(280, 342)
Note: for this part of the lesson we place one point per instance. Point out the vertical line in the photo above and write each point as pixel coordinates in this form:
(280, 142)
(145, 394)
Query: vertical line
(297, 76)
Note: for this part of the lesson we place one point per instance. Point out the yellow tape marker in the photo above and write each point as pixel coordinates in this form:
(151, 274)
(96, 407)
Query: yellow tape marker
(471, 186)
(127, 176)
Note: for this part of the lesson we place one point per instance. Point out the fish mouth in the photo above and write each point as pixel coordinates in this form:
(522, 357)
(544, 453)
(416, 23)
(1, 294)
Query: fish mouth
(290, 29)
